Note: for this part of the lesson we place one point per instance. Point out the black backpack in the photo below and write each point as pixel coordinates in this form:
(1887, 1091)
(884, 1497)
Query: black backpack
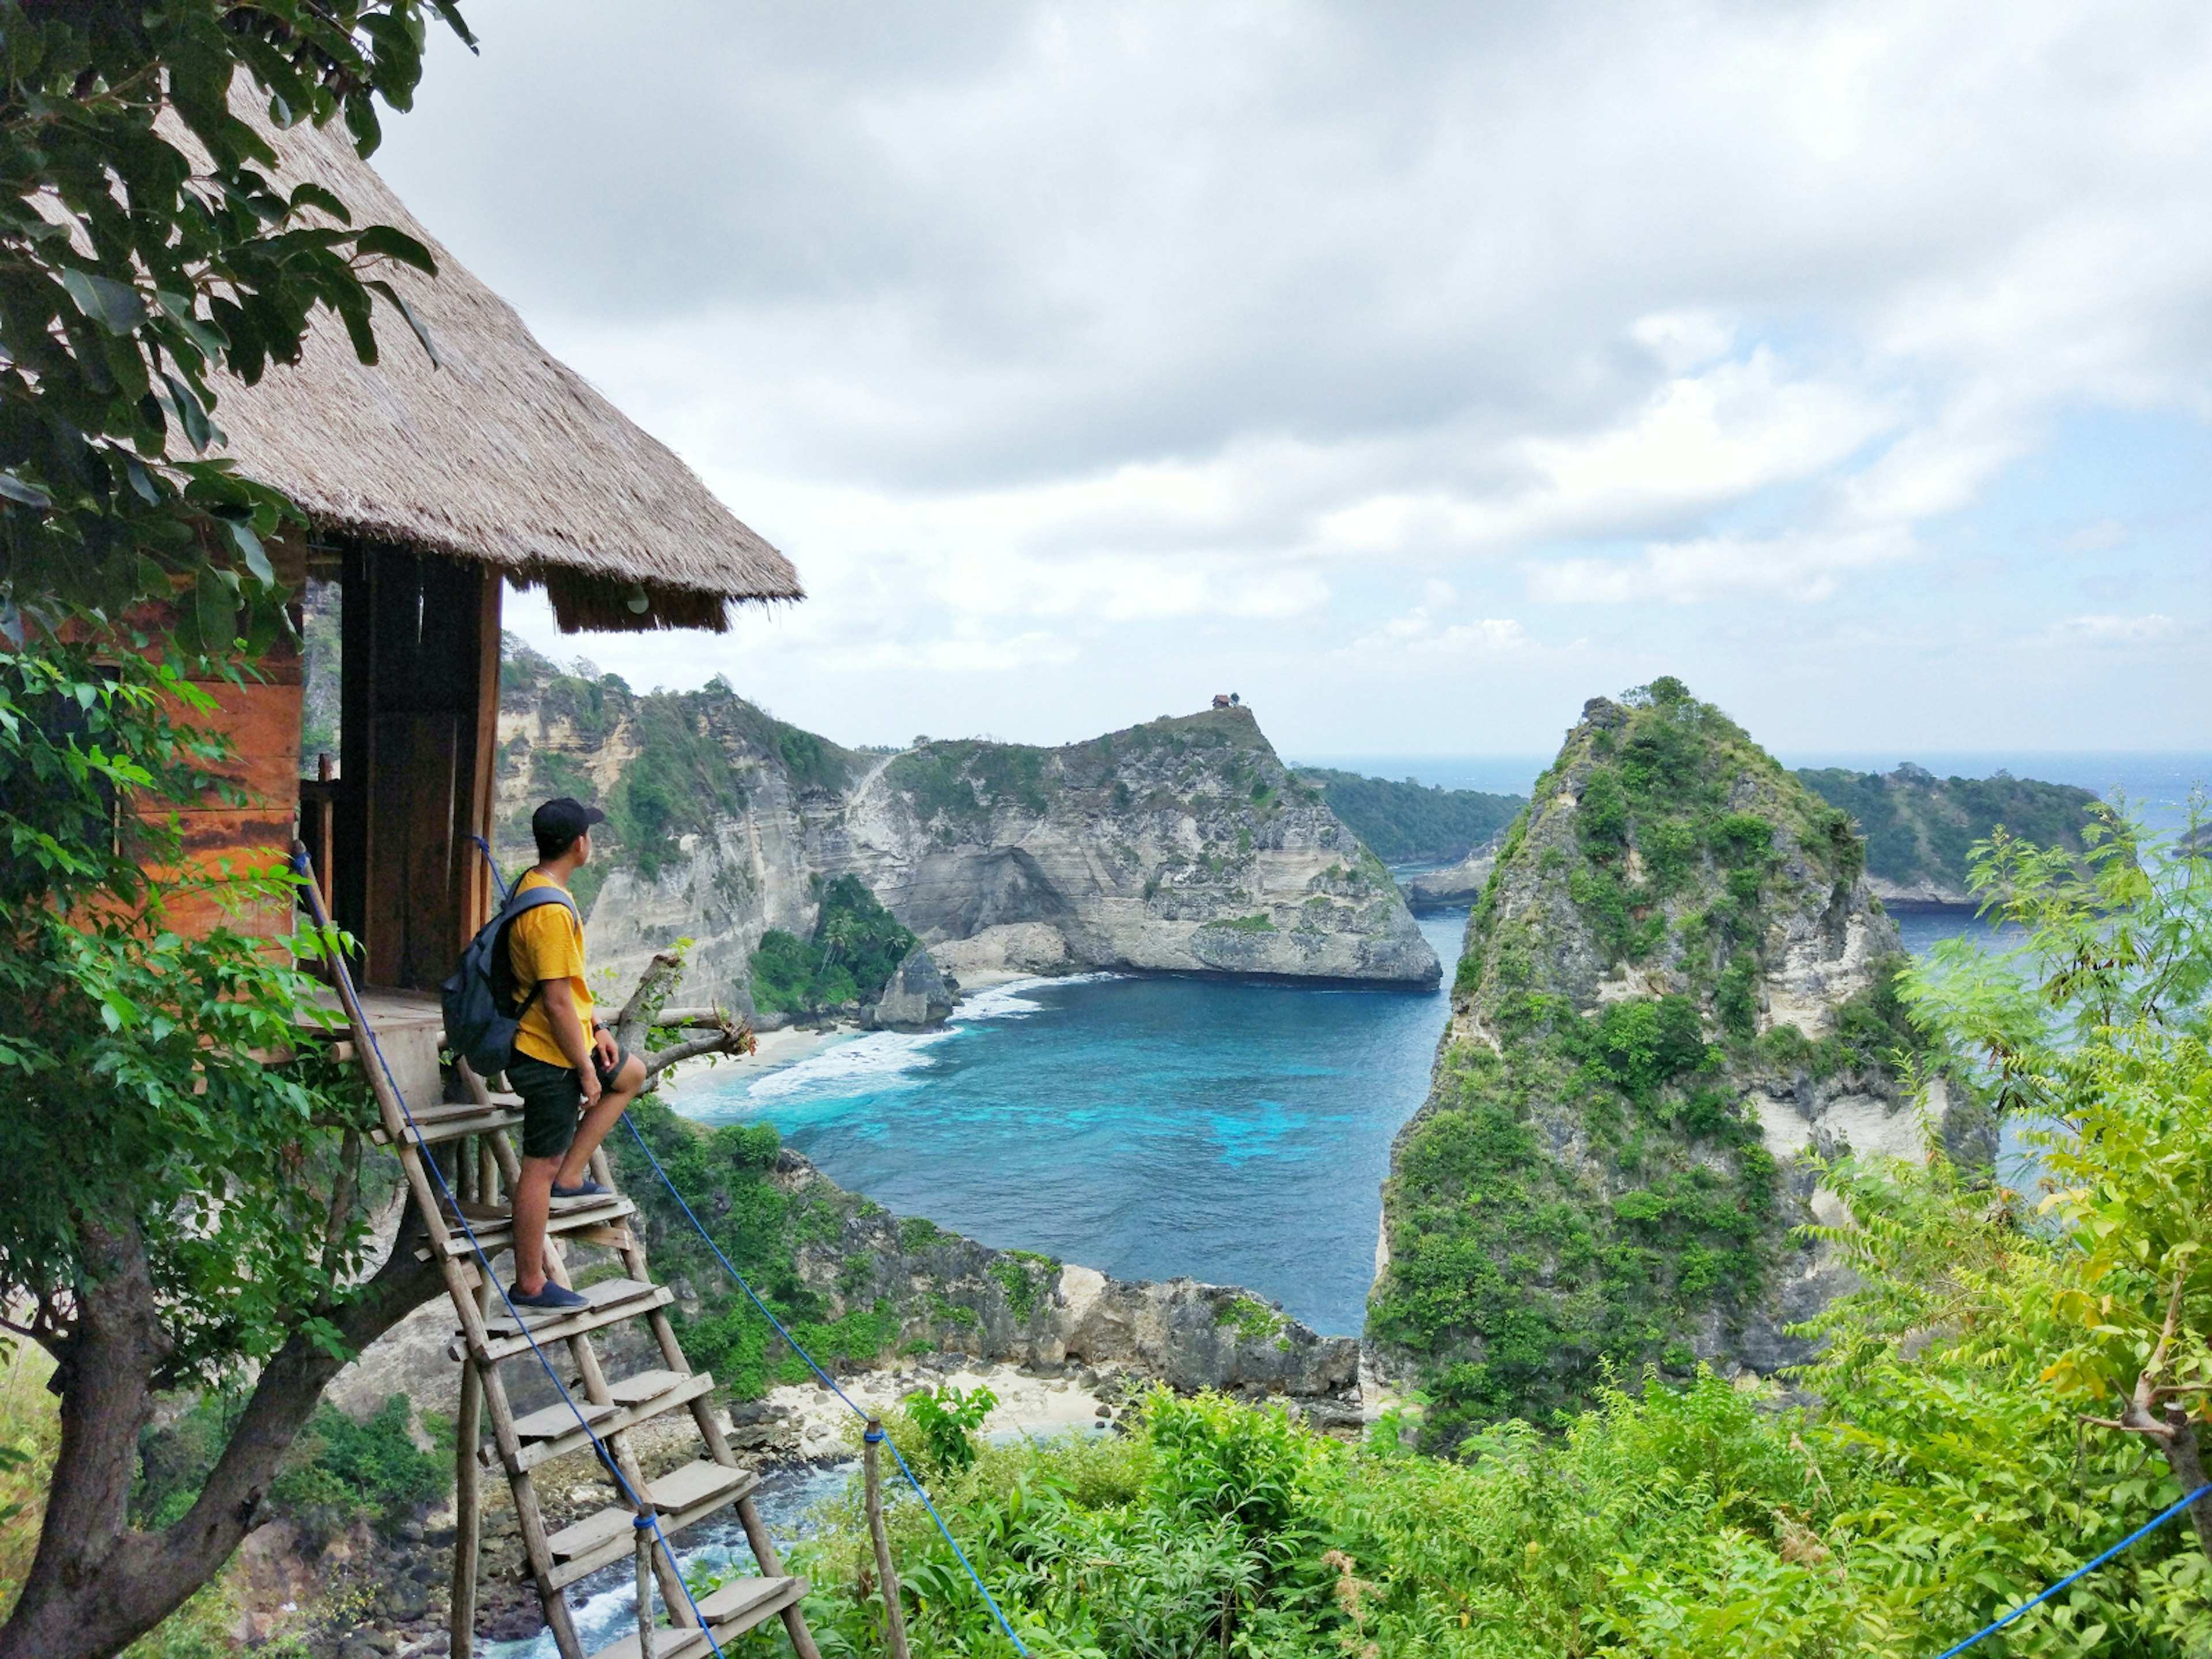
(478, 1026)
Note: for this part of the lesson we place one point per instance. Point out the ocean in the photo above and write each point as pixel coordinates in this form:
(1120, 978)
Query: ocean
(1147, 1127)
(2157, 782)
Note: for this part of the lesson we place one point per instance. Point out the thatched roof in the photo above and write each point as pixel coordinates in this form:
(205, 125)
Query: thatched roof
(504, 454)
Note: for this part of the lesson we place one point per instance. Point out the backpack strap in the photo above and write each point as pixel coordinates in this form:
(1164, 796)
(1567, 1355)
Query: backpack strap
(531, 899)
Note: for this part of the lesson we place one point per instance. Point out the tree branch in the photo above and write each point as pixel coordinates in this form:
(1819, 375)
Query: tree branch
(96, 1585)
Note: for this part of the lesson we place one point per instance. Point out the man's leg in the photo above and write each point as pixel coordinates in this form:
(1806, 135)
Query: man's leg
(614, 1097)
(533, 1197)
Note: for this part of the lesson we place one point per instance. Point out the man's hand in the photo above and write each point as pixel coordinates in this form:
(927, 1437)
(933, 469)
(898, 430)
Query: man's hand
(588, 1076)
(603, 1042)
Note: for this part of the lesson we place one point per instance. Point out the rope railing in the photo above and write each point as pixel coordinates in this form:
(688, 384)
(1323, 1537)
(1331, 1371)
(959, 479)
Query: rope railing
(2087, 1567)
(646, 1514)
(790, 1341)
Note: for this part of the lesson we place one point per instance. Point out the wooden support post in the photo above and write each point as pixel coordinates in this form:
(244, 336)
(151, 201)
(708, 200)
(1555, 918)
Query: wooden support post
(771, 1566)
(643, 1529)
(468, 1512)
(894, 1613)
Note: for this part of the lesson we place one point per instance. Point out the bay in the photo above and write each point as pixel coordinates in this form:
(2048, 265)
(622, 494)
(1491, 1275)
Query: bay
(1147, 1127)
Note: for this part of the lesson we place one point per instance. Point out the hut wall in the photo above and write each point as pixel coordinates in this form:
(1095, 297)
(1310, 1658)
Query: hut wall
(262, 721)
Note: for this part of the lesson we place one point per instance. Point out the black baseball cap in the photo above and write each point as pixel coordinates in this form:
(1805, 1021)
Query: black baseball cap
(560, 820)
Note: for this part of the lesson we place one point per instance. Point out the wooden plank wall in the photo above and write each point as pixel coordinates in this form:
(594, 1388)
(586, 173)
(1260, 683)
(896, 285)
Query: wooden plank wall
(420, 690)
(262, 720)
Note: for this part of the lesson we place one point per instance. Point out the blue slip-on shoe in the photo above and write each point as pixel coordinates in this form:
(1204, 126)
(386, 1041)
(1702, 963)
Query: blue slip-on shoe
(584, 1192)
(555, 1298)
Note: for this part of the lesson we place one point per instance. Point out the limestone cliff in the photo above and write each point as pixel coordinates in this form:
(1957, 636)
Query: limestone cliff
(1676, 984)
(1183, 845)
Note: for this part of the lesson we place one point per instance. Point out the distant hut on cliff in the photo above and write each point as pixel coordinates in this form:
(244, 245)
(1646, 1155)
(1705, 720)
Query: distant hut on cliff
(425, 486)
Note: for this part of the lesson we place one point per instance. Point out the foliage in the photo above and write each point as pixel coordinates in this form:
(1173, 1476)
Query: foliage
(1921, 828)
(857, 946)
(144, 1045)
(369, 1469)
(142, 257)
(947, 1419)
(1408, 823)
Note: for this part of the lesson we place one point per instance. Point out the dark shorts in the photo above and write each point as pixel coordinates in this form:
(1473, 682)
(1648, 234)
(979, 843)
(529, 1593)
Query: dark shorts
(553, 1100)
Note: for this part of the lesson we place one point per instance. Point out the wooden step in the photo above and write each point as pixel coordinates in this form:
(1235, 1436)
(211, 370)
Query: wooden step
(451, 1119)
(611, 1301)
(743, 1603)
(494, 1225)
(730, 1612)
(666, 1644)
(678, 1392)
(582, 1549)
(556, 1420)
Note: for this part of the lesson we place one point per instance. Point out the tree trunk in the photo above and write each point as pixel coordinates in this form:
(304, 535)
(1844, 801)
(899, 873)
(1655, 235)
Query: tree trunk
(96, 1585)
(2183, 1457)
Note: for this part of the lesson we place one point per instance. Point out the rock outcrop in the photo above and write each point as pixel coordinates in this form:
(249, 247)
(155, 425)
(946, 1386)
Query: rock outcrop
(1453, 885)
(1182, 846)
(1676, 984)
(917, 997)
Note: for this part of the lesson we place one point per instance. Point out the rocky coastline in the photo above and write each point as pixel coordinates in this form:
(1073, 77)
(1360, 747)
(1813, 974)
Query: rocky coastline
(1183, 845)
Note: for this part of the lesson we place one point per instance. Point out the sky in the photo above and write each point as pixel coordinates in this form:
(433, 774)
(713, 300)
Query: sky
(1415, 371)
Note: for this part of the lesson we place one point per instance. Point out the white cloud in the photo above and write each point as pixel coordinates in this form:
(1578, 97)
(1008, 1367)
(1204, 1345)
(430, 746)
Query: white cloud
(2148, 630)
(1802, 568)
(1086, 339)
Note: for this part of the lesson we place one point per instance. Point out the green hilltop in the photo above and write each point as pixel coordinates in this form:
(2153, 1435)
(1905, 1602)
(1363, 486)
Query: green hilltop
(1920, 830)
(1587, 1186)
(1409, 823)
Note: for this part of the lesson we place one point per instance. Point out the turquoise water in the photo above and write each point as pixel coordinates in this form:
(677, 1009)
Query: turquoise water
(1145, 1126)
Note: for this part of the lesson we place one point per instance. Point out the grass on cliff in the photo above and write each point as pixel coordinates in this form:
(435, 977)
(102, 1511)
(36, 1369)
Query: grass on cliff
(1594, 1194)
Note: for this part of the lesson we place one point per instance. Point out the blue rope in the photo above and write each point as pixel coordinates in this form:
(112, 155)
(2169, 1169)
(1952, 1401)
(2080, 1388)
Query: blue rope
(2148, 1527)
(830, 1383)
(790, 1341)
(648, 1516)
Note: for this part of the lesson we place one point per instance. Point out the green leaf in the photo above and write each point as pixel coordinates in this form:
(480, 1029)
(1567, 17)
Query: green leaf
(15, 490)
(250, 548)
(214, 609)
(197, 428)
(395, 245)
(116, 307)
(421, 329)
(314, 196)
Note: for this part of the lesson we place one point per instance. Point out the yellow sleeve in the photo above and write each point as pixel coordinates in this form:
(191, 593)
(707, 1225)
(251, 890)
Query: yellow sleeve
(543, 944)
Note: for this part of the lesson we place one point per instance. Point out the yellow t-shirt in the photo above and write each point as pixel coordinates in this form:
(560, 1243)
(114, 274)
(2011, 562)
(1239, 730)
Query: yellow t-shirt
(546, 942)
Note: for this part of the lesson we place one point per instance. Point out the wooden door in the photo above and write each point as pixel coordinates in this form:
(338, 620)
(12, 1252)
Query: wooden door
(420, 703)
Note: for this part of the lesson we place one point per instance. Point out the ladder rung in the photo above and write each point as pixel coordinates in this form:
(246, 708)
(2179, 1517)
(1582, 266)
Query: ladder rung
(666, 1644)
(737, 1606)
(568, 1438)
(611, 1300)
(646, 1385)
(730, 1612)
(582, 1549)
(456, 1118)
(556, 1420)
(495, 1227)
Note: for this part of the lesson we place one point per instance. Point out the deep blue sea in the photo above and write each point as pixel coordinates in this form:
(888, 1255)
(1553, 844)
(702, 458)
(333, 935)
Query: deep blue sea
(1145, 1126)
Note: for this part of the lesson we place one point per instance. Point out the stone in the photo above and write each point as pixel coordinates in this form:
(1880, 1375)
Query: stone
(917, 998)
(1453, 885)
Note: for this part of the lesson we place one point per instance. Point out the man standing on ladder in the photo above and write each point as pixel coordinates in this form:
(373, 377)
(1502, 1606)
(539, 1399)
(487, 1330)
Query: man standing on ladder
(565, 1062)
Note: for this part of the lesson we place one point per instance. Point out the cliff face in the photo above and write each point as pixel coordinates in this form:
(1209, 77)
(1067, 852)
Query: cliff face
(1920, 830)
(1676, 984)
(1182, 845)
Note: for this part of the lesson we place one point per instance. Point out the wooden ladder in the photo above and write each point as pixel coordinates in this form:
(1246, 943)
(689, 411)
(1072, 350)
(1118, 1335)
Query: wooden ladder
(469, 1137)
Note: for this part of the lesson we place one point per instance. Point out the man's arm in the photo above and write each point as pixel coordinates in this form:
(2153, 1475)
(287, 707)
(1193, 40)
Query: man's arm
(568, 1031)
